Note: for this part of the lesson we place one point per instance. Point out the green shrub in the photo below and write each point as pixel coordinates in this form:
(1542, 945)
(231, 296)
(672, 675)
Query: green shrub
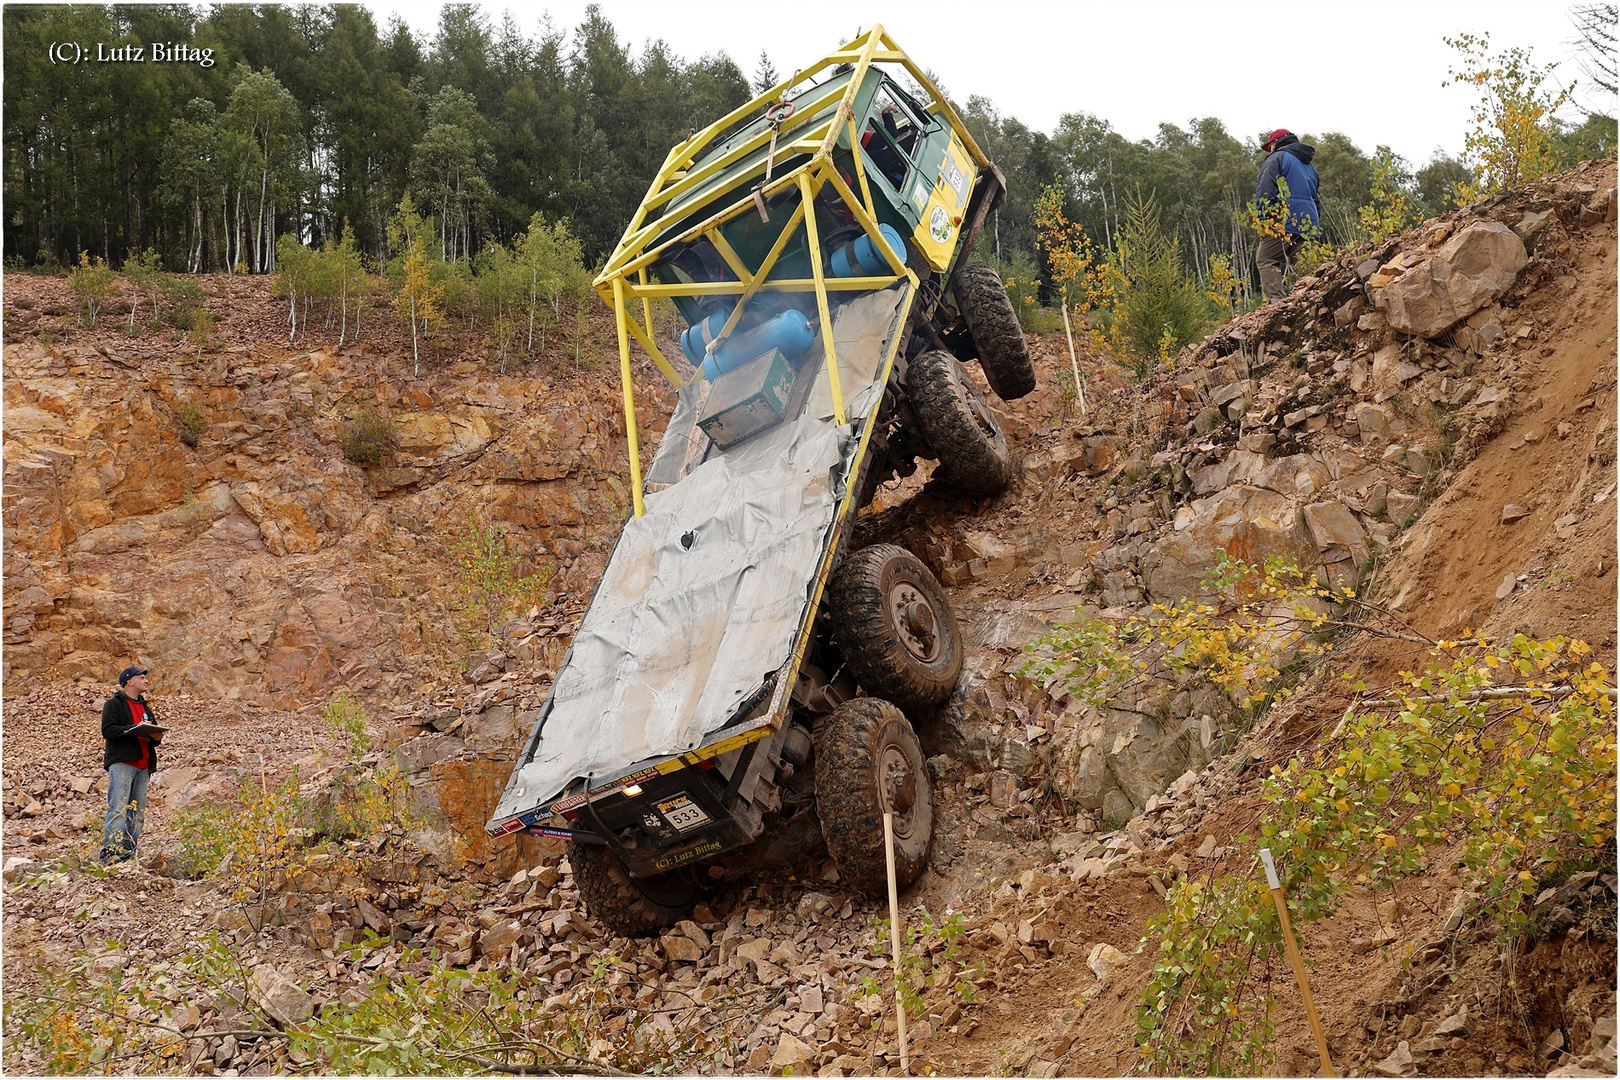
(193, 422)
(185, 300)
(1157, 307)
(1023, 284)
(1498, 757)
(94, 282)
(201, 332)
(368, 439)
(490, 583)
(145, 274)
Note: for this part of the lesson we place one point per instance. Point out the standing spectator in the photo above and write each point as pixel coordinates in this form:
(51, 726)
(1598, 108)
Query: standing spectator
(1289, 160)
(130, 761)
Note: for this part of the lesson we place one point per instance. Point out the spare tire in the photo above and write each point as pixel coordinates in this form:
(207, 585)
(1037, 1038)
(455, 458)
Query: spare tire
(634, 907)
(956, 420)
(988, 312)
(895, 628)
(868, 761)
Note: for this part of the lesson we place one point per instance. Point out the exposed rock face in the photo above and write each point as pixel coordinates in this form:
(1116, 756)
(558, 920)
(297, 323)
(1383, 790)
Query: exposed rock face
(261, 563)
(1468, 272)
(1244, 521)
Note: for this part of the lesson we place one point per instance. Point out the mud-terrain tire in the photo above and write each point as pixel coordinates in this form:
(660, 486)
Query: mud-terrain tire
(895, 627)
(868, 761)
(634, 907)
(955, 418)
(988, 312)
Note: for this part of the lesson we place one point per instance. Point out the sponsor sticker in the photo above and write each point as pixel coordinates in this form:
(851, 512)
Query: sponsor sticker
(939, 225)
(682, 813)
(564, 805)
(952, 177)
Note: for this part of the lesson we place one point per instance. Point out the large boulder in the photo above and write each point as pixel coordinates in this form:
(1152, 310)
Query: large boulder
(1468, 272)
(1245, 521)
(1340, 540)
(792, 1058)
(282, 999)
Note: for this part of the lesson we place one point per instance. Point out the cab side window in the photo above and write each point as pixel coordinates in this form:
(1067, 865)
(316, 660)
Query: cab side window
(891, 137)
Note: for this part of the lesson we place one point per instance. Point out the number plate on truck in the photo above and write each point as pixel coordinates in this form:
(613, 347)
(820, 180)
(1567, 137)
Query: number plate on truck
(682, 813)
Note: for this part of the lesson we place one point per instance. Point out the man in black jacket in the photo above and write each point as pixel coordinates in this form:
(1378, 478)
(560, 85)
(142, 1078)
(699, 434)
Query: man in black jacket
(130, 761)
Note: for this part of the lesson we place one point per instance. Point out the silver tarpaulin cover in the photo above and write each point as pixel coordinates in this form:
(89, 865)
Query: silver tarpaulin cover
(705, 593)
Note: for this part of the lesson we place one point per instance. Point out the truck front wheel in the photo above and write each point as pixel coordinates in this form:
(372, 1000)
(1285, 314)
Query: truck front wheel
(956, 420)
(868, 761)
(634, 907)
(989, 314)
(895, 627)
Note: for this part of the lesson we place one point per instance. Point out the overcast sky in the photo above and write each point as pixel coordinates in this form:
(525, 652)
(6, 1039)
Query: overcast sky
(1371, 69)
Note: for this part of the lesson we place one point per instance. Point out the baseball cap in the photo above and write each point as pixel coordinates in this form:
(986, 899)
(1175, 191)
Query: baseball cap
(1273, 137)
(129, 673)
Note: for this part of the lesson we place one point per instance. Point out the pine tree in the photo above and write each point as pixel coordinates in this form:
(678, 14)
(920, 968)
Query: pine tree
(765, 75)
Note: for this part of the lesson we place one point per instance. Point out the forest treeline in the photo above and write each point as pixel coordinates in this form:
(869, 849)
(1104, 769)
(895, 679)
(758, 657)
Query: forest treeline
(310, 119)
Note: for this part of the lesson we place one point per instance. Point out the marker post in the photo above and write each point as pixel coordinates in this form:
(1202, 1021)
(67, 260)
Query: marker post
(894, 942)
(1275, 885)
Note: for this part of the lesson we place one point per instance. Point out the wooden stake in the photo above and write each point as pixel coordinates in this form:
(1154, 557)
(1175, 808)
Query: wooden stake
(1294, 959)
(1079, 386)
(894, 941)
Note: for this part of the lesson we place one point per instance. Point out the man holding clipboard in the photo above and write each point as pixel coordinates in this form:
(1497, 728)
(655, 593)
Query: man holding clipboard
(132, 735)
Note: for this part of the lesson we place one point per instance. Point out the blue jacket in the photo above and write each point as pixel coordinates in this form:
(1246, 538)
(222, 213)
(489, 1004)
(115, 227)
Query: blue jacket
(1292, 162)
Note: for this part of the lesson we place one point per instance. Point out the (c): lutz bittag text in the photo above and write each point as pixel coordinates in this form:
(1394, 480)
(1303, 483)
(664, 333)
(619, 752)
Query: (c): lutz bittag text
(157, 52)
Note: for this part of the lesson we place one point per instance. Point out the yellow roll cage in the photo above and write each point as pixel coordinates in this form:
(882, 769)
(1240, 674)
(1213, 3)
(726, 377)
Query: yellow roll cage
(804, 132)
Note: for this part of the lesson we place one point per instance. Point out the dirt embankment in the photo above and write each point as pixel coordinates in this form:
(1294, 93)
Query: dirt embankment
(1473, 476)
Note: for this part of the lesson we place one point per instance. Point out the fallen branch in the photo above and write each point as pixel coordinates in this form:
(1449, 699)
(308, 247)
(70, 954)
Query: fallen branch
(239, 1033)
(1376, 632)
(1491, 694)
(539, 1068)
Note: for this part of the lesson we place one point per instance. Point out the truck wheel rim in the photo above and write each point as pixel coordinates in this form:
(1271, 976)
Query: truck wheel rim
(916, 621)
(977, 406)
(897, 788)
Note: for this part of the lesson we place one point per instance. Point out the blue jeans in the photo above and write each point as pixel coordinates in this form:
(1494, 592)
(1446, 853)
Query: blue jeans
(126, 807)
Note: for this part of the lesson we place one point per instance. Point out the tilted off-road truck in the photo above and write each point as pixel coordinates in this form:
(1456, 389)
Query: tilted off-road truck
(739, 687)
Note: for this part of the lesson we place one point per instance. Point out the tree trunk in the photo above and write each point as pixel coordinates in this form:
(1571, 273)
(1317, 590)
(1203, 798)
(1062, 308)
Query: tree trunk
(258, 221)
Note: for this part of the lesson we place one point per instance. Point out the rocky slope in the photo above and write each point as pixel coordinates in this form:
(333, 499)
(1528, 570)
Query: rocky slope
(255, 561)
(1466, 477)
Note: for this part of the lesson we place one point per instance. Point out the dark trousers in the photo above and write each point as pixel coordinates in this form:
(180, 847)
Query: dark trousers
(1272, 259)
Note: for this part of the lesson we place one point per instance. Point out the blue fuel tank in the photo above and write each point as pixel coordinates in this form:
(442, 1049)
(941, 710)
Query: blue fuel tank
(789, 331)
(861, 258)
(695, 338)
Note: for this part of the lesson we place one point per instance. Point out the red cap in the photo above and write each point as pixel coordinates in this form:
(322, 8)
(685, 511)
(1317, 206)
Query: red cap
(1273, 137)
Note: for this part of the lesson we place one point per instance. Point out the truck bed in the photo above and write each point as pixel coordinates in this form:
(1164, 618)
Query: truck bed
(709, 594)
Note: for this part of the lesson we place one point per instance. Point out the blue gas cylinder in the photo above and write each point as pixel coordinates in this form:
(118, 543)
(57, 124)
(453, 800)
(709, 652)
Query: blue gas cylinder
(789, 331)
(695, 338)
(868, 261)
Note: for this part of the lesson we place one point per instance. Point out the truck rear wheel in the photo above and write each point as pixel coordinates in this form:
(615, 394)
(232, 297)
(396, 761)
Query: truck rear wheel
(956, 420)
(895, 628)
(634, 907)
(868, 761)
(989, 314)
